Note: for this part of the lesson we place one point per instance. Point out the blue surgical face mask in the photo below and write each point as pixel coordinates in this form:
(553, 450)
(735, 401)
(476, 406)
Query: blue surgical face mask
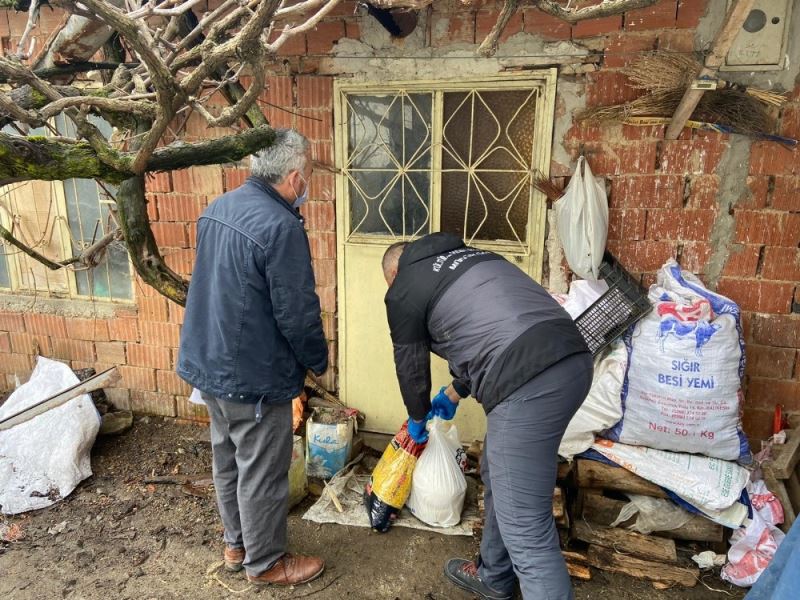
(301, 199)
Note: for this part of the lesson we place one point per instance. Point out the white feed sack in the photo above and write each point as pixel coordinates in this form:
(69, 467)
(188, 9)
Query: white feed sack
(42, 460)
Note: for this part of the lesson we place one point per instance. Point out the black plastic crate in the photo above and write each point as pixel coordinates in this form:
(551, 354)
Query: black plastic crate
(621, 306)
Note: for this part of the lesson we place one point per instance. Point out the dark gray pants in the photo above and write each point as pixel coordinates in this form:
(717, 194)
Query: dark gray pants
(518, 469)
(251, 477)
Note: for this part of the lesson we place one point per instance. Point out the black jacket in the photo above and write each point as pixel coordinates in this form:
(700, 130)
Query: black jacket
(495, 326)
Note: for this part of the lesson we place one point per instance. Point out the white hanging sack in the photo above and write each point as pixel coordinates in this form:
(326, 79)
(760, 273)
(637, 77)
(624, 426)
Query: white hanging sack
(438, 486)
(582, 221)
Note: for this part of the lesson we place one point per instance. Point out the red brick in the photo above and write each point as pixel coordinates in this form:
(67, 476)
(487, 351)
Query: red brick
(452, 28)
(181, 208)
(87, 329)
(700, 155)
(329, 326)
(321, 39)
(772, 158)
(686, 224)
(642, 256)
(776, 330)
(690, 12)
(757, 424)
(320, 216)
(322, 186)
(742, 261)
(205, 180)
(609, 87)
(176, 313)
(279, 91)
(703, 190)
(676, 40)
(42, 324)
(694, 256)
(169, 382)
(180, 260)
(110, 352)
(659, 16)
(595, 27)
(757, 295)
(327, 299)
(170, 235)
(643, 132)
(293, 46)
(634, 158)
(151, 200)
(158, 182)
(137, 378)
(786, 195)
(791, 231)
(790, 121)
(758, 191)
(322, 152)
(11, 322)
(622, 49)
(73, 349)
(646, 191)
(323, 244)
(626, 224)
(352, 29)
(234, 177)
(772, 228)
(152, 403)
(781, 264)
(5, 343)
(766, 393)
(325, 272)
(26, 343)
(160, 334)
(123, 329)
(539, 23)
(152, 308)
(156, 357)
(763, 361)
(314, 91)
(315, 124)
(485, 21)
(16, 364)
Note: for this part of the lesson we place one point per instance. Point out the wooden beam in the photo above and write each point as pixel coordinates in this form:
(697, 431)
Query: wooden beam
(719, 49)
(99, 381)
(649, 547)
(599, 509)
(607, 559)
(594, 474)
(786, 456)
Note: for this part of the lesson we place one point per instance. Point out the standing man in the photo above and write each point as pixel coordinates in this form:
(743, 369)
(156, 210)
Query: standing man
(251, 331)
(511, 346)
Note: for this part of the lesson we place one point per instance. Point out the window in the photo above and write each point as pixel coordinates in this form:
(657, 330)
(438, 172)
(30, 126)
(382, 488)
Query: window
(455, 157)
(59, 220)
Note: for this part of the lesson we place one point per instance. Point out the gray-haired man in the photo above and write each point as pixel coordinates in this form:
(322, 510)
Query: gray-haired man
(252, 329)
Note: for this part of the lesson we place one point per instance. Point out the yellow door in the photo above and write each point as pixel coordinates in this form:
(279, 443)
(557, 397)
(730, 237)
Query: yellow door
(418, 157)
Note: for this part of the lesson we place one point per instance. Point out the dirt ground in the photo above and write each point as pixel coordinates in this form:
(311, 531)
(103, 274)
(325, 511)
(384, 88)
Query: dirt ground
(117, 537)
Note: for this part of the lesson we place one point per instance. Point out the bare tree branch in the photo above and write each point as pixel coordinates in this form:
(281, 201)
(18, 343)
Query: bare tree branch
(489, 45)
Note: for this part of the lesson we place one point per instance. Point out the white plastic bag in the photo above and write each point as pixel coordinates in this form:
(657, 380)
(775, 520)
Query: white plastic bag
(42, 460)
(655, 514)
(582, 221)
(438, 486)
(682, 390)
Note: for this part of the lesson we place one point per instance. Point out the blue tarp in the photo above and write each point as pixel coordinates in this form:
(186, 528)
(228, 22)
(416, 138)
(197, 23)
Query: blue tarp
(781, 580)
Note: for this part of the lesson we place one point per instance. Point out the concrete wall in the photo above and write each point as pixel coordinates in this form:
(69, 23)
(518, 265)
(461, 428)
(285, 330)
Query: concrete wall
(728, 208)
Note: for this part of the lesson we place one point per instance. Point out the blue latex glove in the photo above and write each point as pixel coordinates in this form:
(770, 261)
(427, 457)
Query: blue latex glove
(417, 431)
(442, 406)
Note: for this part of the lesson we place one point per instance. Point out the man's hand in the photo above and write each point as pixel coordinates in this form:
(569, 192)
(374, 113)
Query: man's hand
(443, 406)
(417, 431)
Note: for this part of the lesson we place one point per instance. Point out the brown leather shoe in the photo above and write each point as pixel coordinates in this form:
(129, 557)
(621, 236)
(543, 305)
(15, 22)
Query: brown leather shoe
(291, 569)
(233, 557)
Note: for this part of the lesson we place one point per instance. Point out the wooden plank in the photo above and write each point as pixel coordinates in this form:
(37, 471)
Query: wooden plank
(719, 49)
(594, 474)
(786, 456)
(581, 572)
(564, 469)
(777, 487)
(649, 547)
(793, 490)
(96, 382)
(599, 509)
(560, 508)
(607, 559)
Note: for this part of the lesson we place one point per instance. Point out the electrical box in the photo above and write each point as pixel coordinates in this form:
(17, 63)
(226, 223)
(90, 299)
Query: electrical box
(761, 43)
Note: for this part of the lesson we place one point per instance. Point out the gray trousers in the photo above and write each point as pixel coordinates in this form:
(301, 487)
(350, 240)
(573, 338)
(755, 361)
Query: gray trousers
(251, 477)
(518, 468)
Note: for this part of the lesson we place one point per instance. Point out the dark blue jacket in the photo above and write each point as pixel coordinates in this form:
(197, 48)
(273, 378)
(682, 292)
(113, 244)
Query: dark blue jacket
(252, 326)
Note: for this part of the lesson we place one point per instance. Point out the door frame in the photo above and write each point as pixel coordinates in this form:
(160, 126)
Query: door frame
(537, 209)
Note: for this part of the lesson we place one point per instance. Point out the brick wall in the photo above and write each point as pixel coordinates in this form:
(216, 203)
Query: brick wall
(665, 201)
